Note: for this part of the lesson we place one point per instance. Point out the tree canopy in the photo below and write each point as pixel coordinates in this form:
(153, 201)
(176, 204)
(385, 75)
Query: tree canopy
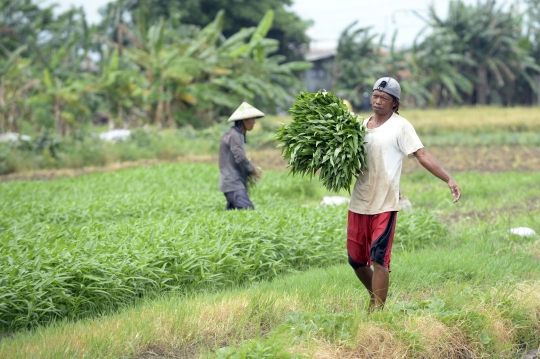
(288, 28)
(172, 63)
(480, 54)
(60, 74)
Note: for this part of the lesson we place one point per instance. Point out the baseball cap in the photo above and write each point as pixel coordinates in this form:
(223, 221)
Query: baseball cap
(388, 85)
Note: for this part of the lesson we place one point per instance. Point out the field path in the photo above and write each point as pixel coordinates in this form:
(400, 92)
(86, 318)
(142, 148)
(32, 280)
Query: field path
(456, 159)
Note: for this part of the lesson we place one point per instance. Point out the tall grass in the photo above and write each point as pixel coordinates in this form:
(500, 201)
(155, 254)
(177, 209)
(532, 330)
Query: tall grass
(481, 311)
(81, 246)
(461, 284)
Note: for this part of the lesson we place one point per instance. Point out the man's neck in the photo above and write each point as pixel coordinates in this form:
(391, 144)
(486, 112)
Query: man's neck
(379, 120)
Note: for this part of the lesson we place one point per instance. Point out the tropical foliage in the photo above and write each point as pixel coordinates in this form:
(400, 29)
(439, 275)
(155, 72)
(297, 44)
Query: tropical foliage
(480, 54)
(57, 72)
(170, 64)
(288, 28)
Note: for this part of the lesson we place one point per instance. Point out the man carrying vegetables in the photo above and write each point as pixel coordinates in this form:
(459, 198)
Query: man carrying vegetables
(375, 198)
(234, 166)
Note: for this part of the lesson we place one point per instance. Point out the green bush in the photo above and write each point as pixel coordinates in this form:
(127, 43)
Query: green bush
(418, 230)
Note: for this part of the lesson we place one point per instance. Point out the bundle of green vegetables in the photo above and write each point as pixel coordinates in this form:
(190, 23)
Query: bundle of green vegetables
(253, 178)
(323, 137)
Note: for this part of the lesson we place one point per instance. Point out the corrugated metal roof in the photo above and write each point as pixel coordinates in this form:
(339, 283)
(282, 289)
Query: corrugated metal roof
(315, 55)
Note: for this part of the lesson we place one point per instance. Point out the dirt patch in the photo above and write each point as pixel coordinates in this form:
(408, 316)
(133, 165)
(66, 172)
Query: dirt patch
(458, 159)
(530, 205)
(74, 172)
(155, 351)
(482, 159)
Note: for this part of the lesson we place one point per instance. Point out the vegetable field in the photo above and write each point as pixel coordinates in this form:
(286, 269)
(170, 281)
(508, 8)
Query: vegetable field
(461, 284)
(79, 247)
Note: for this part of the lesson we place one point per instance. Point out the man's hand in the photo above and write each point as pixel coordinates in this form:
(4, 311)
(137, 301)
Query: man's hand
(430, 163)
(257, 174)
(454, 188)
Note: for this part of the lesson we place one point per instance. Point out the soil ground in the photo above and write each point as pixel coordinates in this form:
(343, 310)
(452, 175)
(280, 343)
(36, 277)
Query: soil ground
(455, 160)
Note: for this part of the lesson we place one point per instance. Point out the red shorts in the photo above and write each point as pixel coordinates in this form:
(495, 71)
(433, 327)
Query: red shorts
(370, 238)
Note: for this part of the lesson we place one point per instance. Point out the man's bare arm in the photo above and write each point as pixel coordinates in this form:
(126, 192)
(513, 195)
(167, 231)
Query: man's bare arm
(429, 162)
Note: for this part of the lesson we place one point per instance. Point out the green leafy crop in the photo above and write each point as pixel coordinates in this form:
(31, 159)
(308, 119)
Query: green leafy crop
(324, 137)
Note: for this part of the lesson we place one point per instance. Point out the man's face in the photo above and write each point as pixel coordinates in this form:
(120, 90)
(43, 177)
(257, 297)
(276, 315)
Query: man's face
(249, 123)
(382, 102)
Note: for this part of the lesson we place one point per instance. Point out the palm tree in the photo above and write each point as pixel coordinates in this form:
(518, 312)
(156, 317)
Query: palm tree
(208, 72)
(15, 86)
(435, 65)
(358, 62)
(490, 38)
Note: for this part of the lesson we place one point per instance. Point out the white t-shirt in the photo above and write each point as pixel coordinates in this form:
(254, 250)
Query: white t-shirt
(377, 189)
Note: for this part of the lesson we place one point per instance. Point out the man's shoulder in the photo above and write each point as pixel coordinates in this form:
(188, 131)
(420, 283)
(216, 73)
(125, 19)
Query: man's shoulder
(232, 132)
(398, 119)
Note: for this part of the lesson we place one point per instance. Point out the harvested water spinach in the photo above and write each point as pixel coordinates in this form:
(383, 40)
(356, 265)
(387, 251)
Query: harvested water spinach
(324, 137)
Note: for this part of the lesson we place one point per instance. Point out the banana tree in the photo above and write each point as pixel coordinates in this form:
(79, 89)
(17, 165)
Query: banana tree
(247, 70)
(120, 85)
(166, 66)
(15, 87)
(65, 98)
(208, 73)
(491, 38)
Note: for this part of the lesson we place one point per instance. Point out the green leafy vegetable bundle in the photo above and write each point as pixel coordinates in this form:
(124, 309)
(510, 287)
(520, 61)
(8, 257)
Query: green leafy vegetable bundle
(324, 137)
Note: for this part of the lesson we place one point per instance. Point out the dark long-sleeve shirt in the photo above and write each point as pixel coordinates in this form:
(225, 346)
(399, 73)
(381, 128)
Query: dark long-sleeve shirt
(234, 165)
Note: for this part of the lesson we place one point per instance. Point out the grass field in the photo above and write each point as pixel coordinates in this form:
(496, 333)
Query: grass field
(511, 136)
(90, 244)
(144, 263)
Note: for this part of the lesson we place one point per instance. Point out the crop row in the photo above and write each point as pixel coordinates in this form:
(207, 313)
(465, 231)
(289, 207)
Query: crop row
(78, 247)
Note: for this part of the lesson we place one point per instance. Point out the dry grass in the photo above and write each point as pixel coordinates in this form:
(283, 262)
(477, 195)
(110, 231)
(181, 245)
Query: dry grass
(464, 119)
(189, 328)
(376, 342)
(474, 119)
(371, 342)
(502, 332)
(218, 319)
(439, 340)
(534, 249)
(528, 296)
(151, 328)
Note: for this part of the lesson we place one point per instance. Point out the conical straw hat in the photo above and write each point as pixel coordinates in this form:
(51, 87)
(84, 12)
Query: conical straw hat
(244, 112)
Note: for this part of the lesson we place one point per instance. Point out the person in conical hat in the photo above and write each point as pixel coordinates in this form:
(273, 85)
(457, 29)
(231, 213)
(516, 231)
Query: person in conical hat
(234, 166)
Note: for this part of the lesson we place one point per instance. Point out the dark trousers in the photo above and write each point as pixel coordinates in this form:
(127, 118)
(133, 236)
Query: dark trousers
(238, 199)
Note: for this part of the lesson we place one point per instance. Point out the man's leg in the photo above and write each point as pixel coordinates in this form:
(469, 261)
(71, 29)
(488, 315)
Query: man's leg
(376, 281)
(358, 250)
(242, 201)
(365, 274)
(379, 285)
(229, 196)
(383, 227)
(238, 199)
